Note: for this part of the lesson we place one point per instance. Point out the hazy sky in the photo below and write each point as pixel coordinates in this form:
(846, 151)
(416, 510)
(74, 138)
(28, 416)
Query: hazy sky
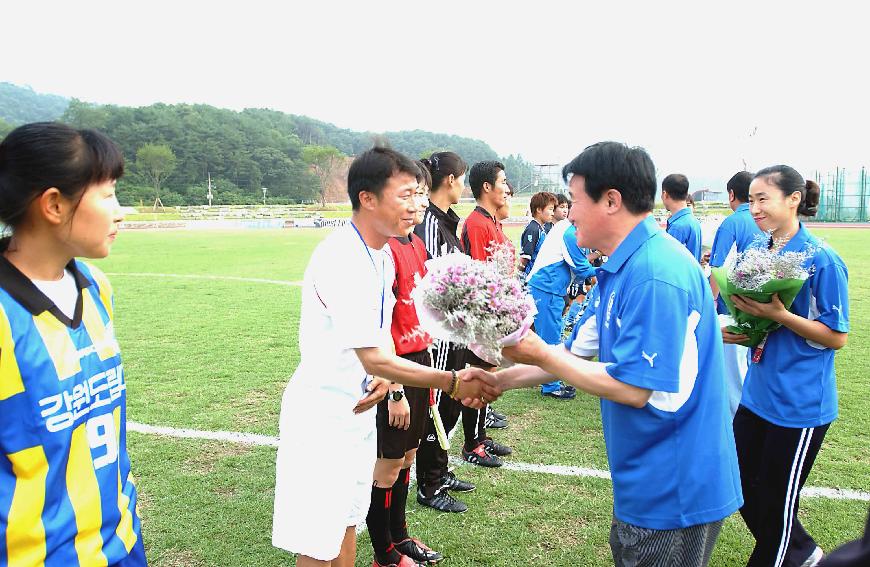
(688, 81)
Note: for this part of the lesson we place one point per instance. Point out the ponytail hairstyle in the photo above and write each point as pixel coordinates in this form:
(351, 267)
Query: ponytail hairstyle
(443, 164)
(788, 180)
(38, 156)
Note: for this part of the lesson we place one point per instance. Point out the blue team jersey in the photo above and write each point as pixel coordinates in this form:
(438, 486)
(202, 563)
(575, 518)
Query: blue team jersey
(673, 462)
(558, 259)
(530, 242)
(734, 235)
(687, 230)
(794, 385)
(66, 494)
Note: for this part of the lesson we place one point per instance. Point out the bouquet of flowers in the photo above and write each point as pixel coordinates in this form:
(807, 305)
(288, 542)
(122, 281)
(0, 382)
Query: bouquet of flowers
(478, 304)
(757, 273)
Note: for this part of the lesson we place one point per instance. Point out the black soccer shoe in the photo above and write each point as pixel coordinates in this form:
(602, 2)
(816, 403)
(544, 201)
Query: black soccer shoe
(480, 456)
(496, 449)
(442, 501)
(450, 482)
(418, 551)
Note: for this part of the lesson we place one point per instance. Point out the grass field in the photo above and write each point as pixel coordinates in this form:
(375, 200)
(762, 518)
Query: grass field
(207, 353)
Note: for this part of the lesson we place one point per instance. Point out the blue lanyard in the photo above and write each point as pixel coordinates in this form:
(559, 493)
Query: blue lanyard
(380, 277)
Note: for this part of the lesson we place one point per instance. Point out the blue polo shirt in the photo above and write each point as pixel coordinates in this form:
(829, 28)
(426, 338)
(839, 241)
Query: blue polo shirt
(673, 462)
(735, 234)
(687, 230)
(794, 385)
(531, 241)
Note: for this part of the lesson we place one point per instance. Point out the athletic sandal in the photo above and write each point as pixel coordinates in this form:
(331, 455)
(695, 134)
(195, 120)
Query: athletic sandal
(418, 551)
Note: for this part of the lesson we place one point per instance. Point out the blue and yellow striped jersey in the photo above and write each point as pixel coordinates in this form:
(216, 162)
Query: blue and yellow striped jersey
(66, 494)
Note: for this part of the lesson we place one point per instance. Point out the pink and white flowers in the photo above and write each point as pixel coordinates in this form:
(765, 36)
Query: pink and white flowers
(474, 303)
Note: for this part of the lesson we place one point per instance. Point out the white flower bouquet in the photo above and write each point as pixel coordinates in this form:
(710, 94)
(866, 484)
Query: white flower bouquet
(757, 273)
(474, 303)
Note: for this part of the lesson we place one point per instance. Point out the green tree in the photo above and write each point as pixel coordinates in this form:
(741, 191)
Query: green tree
(324, 162)
(156, 162)
(5, 128)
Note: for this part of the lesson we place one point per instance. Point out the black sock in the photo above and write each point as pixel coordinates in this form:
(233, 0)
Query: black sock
(398, 523)
(378, 522)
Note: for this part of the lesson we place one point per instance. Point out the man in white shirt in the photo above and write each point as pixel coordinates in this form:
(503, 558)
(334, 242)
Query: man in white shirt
(327, 447)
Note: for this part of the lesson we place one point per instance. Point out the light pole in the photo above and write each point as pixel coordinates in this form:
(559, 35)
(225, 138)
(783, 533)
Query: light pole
(264, 196)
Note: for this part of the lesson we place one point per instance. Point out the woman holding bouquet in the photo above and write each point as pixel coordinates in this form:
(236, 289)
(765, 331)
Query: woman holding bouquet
(790, 395)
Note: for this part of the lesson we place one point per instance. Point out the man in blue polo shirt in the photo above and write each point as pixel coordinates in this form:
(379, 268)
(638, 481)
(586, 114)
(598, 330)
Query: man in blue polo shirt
(663, 402)
(734, 235)
(682, 224)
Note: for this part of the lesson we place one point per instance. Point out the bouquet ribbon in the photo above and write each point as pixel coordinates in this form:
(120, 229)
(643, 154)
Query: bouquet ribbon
(756, 328)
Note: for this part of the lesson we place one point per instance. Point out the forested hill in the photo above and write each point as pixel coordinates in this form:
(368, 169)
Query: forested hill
(242, 151)
(21, 104)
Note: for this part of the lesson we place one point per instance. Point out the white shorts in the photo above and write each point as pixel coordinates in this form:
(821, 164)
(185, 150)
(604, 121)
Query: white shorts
(323, 481)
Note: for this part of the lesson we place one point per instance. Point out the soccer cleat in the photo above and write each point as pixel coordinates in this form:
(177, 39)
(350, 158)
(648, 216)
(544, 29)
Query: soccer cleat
(491, 411)
(492, 421)
(814, 558)
(561, 394)
(496, 449)
(442, 501)
(568, 387)
(450, 482)
(480, 456)
(404, 562)
(418, 551)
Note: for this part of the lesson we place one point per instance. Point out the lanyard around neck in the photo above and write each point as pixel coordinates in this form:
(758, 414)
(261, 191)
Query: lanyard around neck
(379, 276)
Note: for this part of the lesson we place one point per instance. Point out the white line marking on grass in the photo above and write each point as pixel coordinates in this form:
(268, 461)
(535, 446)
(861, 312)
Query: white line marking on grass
(558, 470)
(206, 277)
(229, 436)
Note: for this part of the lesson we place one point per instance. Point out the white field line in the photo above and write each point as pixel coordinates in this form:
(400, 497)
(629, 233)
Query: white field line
(206, 277)
(558, 470)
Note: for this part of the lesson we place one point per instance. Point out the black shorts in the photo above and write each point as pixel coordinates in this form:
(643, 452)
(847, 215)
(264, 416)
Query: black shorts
(393, 442)
(473, 360)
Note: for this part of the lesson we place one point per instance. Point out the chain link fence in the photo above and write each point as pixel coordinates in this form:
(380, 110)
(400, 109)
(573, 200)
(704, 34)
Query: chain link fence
(845, 196)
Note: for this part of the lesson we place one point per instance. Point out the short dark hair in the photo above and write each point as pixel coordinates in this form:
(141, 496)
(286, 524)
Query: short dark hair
(739, 185)
(789, 180)
(424, 176)
(677, 186)
(37, 156)
(443, 164)
(562, 199)
(483, 172)
(540, 201)
(371, 170)
(613, 165)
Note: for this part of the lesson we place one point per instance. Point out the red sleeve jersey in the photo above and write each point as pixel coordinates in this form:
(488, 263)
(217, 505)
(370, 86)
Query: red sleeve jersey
(409, 255)
(479, 232)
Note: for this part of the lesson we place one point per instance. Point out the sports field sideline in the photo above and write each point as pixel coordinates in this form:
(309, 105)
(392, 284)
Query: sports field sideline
(207, 322)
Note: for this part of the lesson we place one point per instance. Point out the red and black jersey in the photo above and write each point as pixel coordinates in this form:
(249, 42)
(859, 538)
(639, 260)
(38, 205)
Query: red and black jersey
(409, 255)
(479, 232)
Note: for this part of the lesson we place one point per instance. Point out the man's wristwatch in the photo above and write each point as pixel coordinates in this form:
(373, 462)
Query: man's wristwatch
(396, 395)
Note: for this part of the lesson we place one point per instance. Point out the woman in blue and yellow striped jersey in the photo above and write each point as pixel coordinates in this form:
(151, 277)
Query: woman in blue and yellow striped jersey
(66, 493)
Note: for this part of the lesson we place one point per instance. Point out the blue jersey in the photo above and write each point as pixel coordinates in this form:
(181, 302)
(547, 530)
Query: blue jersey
(687, 230)
(793, 385)
(558, 259)
(66, 494)
(530, 242)
(673, 461)
(735, 234)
